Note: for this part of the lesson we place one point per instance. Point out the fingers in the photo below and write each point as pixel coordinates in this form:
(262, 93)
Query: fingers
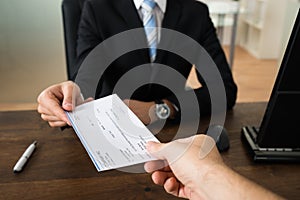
(184, 156)
(88, 100)
(57, 123)
(160, 177)
(54, 121)
(171, 151)
(201, 145)
(154, 148)
(126, 101)
(54, 100)
(50, 109)
(50, 118)
(172, 186)
(68, 90)
(152, 166)
(170, 183)
(143, 110)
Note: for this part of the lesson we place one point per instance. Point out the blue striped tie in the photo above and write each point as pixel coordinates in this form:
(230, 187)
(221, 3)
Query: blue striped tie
(149, 23)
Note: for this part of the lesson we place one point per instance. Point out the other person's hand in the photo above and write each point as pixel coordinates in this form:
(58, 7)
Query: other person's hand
(186, 163)
(192, 168)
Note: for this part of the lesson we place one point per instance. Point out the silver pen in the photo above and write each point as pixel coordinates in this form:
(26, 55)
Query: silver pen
(26, 155)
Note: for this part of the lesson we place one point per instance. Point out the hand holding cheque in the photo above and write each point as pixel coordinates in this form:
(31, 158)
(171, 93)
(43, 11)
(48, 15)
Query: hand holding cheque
(187, 176)
(56, 99)
(188, 169)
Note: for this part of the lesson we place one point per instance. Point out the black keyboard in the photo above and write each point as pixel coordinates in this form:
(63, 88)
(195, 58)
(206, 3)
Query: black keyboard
(268, 154)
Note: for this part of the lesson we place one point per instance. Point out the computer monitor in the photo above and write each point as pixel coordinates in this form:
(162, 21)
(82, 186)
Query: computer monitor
(278, 137)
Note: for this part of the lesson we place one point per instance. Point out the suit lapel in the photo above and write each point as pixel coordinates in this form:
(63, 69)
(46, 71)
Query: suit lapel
(172, 14)
(171, 18)
(128, 12)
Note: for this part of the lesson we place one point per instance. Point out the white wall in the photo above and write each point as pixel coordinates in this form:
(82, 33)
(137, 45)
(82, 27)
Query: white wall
(217, 7)
(31, 48)
(289, 20)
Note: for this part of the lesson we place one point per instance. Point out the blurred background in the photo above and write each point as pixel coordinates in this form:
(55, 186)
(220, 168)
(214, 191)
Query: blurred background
(254, 34)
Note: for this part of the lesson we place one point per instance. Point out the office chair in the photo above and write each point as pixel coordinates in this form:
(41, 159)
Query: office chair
(71, 12)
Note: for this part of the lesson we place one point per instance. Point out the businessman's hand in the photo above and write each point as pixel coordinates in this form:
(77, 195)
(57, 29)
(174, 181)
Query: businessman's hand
(54, 100)
(145, 111)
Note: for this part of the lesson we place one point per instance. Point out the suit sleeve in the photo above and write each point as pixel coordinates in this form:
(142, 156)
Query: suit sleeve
(209, 41)
(88, 35)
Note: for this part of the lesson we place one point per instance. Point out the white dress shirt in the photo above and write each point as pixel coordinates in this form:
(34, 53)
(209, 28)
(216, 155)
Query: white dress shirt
(159, 11)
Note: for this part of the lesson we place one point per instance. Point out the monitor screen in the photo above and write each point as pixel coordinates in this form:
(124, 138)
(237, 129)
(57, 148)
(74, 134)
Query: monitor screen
(280, 127)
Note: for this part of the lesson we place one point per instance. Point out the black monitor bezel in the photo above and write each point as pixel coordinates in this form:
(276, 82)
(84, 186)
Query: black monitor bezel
(263, 139)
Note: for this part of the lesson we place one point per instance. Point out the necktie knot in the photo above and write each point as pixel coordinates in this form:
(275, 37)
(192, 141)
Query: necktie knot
(148, 5)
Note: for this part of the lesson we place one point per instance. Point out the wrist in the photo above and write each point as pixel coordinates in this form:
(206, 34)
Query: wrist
(172, 109)
(221, 182)
(214, 180)
(162, 110)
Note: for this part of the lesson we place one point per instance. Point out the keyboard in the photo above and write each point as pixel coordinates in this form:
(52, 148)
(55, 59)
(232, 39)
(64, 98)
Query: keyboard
(250, 134)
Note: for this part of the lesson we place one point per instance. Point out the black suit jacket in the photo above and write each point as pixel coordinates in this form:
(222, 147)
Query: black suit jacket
(102, 19)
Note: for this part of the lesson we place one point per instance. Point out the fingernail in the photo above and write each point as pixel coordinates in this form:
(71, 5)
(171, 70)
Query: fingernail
(149, 145)
(69, 123)
(67, 104)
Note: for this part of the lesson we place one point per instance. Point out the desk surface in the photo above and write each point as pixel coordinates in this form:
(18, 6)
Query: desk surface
(61, 169)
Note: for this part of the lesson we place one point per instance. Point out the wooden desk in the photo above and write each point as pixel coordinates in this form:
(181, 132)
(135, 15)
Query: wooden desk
(61, 169)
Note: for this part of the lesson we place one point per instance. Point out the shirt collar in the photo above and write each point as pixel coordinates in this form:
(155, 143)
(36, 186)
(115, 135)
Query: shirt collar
(162, 4)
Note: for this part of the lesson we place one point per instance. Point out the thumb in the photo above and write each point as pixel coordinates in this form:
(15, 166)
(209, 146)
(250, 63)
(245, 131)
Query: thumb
(88, 100)
(126, 101)
(162, 151)
(154, 148)
(67, 103)
(67, 91)
(171, 151)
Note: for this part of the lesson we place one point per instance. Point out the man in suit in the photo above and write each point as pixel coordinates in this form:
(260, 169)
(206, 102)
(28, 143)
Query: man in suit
(102, 19)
